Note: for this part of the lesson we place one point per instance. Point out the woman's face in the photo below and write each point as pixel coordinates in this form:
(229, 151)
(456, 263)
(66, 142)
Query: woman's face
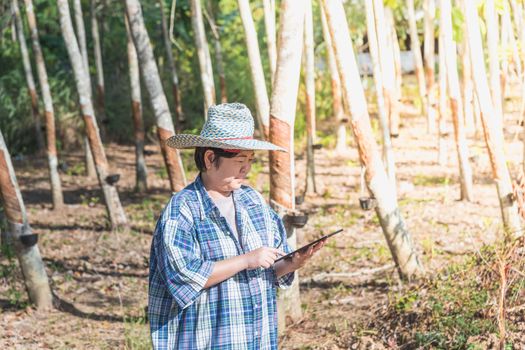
(231, 172)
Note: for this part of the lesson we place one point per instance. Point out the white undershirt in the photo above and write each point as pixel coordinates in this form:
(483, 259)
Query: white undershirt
(227, 209)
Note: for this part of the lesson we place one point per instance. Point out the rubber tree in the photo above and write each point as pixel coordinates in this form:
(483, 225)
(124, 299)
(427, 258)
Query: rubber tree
(309, 77)
(429, 8)
(141, 170)
(393, 42)
(491, 121)
(492, 26)
(269, 26)
(282, 118)
(28, 72)
(20, 235)
(114, 208)
(97, 53)
(81, 39)
(386, 57)
(455, 102)
(210, 16)
(337, 98)
(416, 52)
(467, 87)
(396, 233)
(372, 31)
(259, 85)
(159, 103)
(443, 103)
(203, 53)
(175, 89)
(49, 112)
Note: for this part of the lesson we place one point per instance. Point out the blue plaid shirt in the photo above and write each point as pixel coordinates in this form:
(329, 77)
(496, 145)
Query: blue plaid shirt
(191, 234)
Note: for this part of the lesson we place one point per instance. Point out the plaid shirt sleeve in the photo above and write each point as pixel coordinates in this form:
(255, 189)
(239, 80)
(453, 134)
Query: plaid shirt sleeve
(284, 281)
(179, 261)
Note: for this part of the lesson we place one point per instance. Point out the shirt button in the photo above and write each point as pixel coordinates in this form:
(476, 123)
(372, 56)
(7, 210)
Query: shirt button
(256, 333)
(256, 306)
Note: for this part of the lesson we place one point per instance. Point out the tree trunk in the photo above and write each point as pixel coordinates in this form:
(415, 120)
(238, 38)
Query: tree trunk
(141, 170)
(269, 24)
(386, 56)
(81, 38)
(180, 118)
(98, 63)
(116, 213)
(398, 238)
(203, 52)
(491, 120)
(218, 50)
(49, 112)
(372, 31)
(151, 79)
(468, 88)
(443, 107)
(429, 7)
(396, 51)
(31, 89)
(20, 235)
(309, 64)
(492, 25)
(337, 103)
(282, 119)
(416, 51)
(259, 84)
(456, 106)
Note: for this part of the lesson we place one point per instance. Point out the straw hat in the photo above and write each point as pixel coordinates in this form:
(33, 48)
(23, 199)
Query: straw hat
(229, 126)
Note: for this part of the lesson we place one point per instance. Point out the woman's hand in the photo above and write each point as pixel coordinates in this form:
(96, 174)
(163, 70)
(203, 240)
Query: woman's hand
(262, 257)
(297, 261)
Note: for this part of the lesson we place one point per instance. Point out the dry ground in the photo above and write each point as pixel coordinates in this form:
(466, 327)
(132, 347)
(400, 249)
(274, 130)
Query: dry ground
(99, 277)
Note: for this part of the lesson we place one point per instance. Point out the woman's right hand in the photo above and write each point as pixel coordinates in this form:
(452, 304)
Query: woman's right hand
(262, 257)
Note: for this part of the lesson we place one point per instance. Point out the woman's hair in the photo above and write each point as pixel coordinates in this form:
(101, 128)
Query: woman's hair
(217, 152)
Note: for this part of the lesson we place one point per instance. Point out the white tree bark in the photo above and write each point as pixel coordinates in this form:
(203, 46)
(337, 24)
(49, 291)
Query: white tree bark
(269, 24)
(492, 25)
(31, 264)
(31, 89)
(309, 76)
(394, 228)
(159, 103)
(259, 85)
(388, 155)
(203, 52)
(116, 213)
(49, 112)
(141, 170)
(282, 119)
(429, 7)
(171, 65)
(443, 106)
(386, 56)
(98, 62)
(491, 118)
(416, 51)
(454, 99)
(337, 103)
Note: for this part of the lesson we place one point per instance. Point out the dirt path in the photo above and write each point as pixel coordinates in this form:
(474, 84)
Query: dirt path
(100, 277)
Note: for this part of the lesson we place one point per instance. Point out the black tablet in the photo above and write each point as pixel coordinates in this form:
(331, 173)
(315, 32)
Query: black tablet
(305, 247)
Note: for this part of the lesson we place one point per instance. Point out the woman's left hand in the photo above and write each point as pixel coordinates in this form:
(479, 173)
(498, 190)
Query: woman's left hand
(299, 259)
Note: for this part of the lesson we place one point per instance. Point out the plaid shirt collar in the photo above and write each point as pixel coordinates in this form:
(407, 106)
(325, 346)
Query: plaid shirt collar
(207, 205)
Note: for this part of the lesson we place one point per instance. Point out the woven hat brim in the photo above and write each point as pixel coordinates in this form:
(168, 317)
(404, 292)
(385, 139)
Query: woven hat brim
(182, 141)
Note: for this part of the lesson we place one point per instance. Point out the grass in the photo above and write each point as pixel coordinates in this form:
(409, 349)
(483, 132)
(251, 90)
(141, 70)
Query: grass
(426, 180)
(136, 334)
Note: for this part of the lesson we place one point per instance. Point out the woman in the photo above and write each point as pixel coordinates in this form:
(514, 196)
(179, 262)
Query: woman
(213, 275)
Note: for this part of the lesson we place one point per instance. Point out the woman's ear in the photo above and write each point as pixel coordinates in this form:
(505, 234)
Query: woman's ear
(209, 156)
